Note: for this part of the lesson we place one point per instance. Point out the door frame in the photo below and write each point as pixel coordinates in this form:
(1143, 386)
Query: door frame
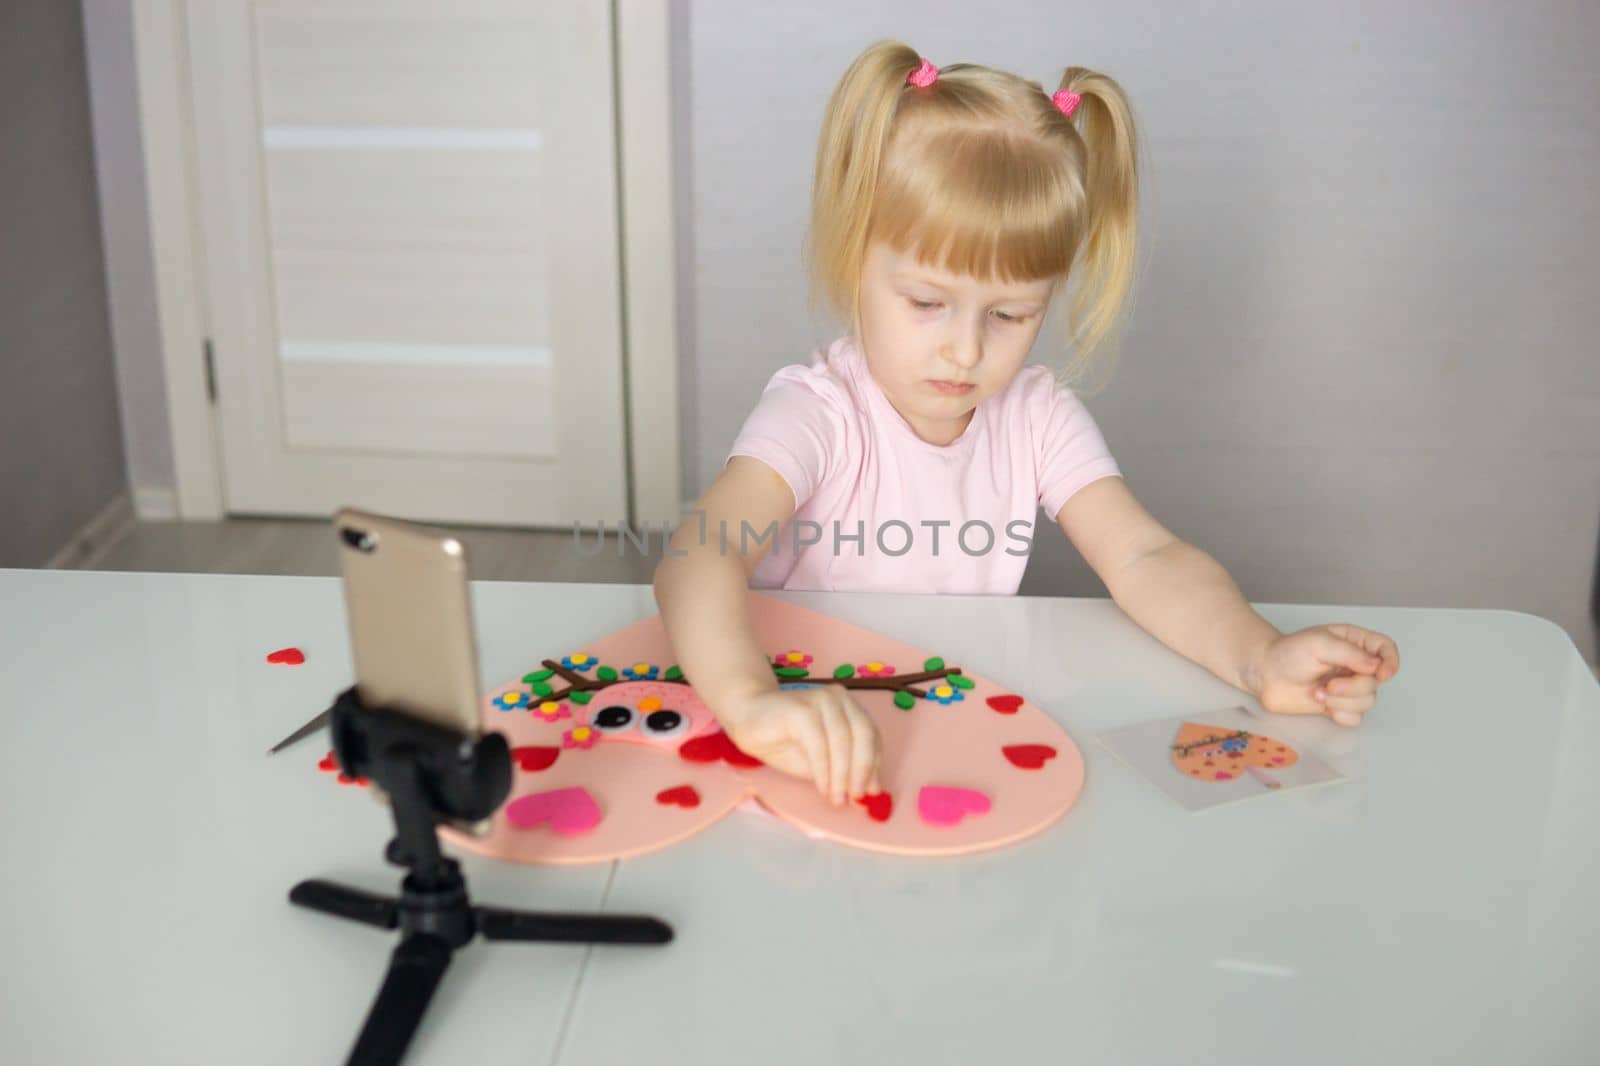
(641, 45)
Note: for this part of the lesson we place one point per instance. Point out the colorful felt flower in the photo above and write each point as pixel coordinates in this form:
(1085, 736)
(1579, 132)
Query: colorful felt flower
(641, 672)
(579, 660)
(510, 701)
(579, 737)
(875, 669)
(551, 711)
(946, 694)
(792, 658)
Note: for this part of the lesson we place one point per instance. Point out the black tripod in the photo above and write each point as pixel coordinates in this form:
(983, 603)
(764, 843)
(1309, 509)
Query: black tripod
(431, 773)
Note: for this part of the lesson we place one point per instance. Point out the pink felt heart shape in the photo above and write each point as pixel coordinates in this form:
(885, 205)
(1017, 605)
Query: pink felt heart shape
(942, 805)
(659, 740)
(286, 657)
(570, 811)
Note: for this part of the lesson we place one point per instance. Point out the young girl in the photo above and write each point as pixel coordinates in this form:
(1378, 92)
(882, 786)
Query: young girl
(950, 208)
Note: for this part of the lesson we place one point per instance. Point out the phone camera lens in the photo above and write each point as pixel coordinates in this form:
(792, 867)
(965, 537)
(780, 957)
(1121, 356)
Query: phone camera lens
(358, 539)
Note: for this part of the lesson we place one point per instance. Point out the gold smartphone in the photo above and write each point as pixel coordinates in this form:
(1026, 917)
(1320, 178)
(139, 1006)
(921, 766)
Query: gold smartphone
(410, 611)
(411, 629)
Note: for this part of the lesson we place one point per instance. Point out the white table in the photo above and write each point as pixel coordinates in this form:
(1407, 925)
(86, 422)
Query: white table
(1438, 907)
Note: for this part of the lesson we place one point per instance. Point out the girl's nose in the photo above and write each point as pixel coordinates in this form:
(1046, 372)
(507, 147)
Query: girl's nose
(965, 352)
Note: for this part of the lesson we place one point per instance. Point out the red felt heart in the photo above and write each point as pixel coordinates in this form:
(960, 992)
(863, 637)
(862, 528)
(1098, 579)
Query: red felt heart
(715, 746)
(879, 805)
(535, 757)
(1029, 756)
(682, 796)
(1005, 704)
(328, 762)
(287, 657)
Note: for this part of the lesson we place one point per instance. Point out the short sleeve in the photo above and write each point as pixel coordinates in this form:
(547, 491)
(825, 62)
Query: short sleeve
(1072, 451)
(796, 428)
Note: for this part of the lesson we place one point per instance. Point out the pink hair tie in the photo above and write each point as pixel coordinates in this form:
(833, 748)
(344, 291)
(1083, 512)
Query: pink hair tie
(1066, 102)
(924, 75)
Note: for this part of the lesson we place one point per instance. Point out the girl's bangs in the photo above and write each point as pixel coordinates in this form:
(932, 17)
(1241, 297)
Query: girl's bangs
(992, 208)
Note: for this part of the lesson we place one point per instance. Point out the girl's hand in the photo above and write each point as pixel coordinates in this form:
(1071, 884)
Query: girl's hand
(1332, 669)
(817, 733)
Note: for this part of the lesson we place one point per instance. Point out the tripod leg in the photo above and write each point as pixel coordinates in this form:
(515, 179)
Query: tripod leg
(415, 969)
(497, 924)
(342, 902)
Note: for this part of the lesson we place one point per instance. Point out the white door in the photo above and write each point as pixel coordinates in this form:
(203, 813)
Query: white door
(409, 218)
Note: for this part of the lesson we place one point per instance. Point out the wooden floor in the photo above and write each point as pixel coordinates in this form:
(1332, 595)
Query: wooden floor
(306, 548)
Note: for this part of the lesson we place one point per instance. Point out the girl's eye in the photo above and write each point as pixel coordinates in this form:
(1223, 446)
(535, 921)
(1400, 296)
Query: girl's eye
(921, 305)
(1007, 318)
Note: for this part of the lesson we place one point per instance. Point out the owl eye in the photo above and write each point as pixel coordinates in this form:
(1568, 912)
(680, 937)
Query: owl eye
(613, 719)
(665, 723)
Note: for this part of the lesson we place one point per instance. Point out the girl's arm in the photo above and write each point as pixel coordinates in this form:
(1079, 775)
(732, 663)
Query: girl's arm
(820, 733)
(1185, 599)
(702, 592)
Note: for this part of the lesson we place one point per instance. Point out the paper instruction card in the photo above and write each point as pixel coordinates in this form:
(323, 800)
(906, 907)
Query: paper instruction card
(1213, 757)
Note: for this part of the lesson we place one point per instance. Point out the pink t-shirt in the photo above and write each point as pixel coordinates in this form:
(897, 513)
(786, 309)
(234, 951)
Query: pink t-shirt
(880, 509)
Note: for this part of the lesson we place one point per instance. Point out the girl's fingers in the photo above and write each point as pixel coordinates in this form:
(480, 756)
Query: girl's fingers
(837, 728)
(1349, 709)
(864, 747)
(1361, 685)
(1378, 645)
(808, 732)
(1334, 650)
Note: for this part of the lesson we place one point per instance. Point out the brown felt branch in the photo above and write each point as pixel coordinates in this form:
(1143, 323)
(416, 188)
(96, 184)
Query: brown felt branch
(892, 683)
(576, 682)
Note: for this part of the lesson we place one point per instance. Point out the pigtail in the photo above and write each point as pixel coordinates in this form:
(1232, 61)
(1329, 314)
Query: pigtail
(855, 127)
(1104, 120)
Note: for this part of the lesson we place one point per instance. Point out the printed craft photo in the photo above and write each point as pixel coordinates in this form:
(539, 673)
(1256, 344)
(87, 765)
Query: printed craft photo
(615, 755)
(1212, 754)
(1204, 761)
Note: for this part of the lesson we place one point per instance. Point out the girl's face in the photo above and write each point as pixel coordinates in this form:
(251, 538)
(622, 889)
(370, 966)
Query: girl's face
(939, 344)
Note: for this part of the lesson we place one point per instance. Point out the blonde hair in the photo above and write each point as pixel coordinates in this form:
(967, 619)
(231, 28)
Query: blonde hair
(978, 174)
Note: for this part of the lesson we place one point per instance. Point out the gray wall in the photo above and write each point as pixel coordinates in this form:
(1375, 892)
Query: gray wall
(1362, 364)
(61, 459)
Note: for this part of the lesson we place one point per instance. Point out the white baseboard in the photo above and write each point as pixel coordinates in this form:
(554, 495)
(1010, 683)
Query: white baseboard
(155, 503)
(98, 534)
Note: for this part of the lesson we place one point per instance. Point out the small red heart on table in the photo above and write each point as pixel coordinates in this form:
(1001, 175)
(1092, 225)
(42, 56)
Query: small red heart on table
(287, 657)
(535, 757)
(1005, 704)
(328, 762)
(714, 747)
(879, 805)
(682, 796)
(1029, 756)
